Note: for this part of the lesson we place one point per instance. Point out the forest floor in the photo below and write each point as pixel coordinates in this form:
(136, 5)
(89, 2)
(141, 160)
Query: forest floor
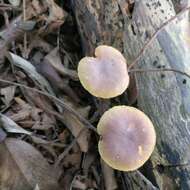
(47, 119)
(42, 102)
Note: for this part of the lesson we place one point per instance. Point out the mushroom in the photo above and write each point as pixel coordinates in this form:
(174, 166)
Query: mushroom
(106, 75)
(127, 138)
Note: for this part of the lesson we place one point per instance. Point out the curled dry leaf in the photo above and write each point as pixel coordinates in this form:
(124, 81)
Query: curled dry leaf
(46, 122)
(78, 183)
(57, 83)
(8, 35)
(55, 18)
(3, 135)
(54, 59)
(8, 93)
(22, 167)
(26, 25)
(109, 178)
(10, 126)
(35, 8)
(76, 126)
(23, 110)
(30, 70)
(12, 32)
(15, 2)
(56, 13)
(44, 104)
(67, 178)
(46, 70)
(29, 116)
(73, 159)
(39, 43)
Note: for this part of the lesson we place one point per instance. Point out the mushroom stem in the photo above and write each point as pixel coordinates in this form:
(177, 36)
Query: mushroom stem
(159, 70)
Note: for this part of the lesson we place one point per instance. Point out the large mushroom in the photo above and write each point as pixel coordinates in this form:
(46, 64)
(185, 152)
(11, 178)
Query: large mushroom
(127, 138)
(106, 75)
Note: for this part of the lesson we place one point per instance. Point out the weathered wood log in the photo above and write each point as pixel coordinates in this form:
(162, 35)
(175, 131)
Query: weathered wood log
(164, 97)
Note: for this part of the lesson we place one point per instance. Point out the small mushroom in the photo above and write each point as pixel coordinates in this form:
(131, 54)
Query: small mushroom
(127, 138)
(106, 75)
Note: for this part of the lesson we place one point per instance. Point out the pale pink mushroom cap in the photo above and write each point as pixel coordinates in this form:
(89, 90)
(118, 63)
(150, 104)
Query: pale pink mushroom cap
(127, 138)
(106, 75)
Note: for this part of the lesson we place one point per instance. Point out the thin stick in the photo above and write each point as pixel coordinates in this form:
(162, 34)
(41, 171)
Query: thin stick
(159, 70)
(66, 151)
(5, 6)
(25, 35)
(149, 183)
(68, 108)
(155, 34)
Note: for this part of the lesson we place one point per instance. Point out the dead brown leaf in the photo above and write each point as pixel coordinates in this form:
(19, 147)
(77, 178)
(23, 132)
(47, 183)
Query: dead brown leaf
(54, 59)
(22, 167)
(109, 178)
(3, 135)
(8, 93)
(56, 13)
(73, 160)
(76, 126)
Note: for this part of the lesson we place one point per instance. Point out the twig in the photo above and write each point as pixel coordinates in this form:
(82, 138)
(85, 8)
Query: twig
(68, 108)
(25, 35)
(9, 7)
(149, 184)
(155, 34)
(66, 151)
(6, 18)
(11, 33)
(159, 70)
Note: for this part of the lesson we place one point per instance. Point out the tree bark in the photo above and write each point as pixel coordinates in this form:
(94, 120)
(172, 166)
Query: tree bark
(165, 97)
(180, 4)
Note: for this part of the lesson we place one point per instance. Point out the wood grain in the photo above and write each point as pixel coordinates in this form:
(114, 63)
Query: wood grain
(164, 97)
